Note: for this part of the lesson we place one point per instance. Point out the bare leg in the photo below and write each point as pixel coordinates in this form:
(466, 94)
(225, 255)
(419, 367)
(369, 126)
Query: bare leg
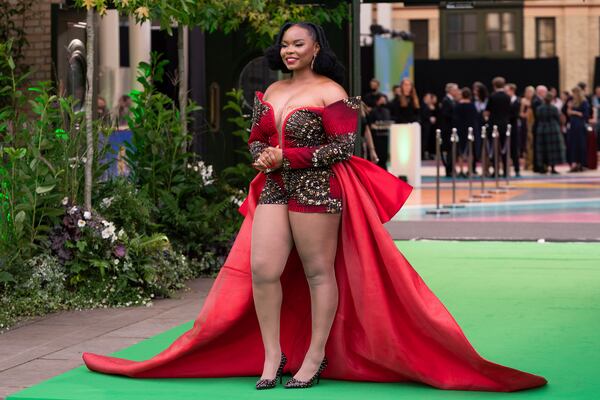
(270, 248)
(315, 236)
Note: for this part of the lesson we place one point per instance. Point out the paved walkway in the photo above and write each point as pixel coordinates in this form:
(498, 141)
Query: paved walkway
(43, 347)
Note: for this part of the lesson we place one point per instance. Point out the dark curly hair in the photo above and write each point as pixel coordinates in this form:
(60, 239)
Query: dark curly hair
(326, 62)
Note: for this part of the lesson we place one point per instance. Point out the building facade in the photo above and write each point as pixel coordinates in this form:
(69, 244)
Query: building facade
(568, 30)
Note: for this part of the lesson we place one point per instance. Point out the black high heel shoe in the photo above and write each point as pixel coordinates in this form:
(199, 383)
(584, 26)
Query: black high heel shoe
(295, 383)
(271, 383)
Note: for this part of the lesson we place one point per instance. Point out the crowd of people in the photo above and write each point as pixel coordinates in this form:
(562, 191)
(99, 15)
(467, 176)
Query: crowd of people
(546, 129)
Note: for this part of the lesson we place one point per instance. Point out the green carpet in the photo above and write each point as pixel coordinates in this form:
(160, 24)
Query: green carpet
(531, 306)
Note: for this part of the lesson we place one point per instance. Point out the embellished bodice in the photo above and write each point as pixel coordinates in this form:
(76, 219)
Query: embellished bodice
(312, 138)
(308, 127)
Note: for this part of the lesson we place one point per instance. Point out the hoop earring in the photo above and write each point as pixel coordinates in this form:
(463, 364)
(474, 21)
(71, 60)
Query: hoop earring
(312, 64)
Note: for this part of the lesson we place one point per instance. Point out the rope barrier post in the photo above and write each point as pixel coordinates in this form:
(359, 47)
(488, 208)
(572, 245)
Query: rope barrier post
(509, 163)
(438, 142)
(470, 139)
(454, 139)
(496, 137)
(483, 194)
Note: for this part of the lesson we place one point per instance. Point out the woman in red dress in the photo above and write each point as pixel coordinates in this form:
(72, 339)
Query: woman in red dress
(313, 278)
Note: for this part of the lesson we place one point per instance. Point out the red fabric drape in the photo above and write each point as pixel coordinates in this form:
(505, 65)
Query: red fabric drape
(389, 326)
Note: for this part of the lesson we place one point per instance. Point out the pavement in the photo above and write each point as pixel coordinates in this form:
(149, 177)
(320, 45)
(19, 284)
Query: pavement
(40, 348)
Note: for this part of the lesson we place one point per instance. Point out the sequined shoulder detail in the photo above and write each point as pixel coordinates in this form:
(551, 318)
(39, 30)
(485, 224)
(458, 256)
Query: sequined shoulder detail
(352, 102)
(259, 109)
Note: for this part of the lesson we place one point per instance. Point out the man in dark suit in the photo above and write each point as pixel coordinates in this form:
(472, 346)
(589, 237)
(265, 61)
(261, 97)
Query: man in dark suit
(515, 139)
(498, 113)
(445, 122)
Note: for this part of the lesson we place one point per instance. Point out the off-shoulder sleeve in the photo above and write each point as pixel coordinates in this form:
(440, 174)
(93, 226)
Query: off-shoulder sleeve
(259, 136)
(340, 121)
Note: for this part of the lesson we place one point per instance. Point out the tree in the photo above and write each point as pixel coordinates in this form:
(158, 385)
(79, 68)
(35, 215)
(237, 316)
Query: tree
(89, 97)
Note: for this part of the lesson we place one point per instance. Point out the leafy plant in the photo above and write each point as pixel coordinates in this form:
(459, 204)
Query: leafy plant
(240, 174)
(189, 202)
(154, 153)
(42, 150)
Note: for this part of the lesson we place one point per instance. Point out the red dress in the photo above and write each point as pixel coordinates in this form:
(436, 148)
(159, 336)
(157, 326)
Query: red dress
(389, 326)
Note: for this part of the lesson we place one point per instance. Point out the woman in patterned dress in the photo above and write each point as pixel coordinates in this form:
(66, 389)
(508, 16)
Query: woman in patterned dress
(301, 202)
(549, 146)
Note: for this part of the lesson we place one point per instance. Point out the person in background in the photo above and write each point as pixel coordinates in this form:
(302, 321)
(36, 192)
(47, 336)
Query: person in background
(515, 132)
(446, 120)
(583, 86)
(480, 96)
(538, 99)
(480, 99)
(549, 140)
(102, 110)
(122, 111)
(370, 98)
(405, 107)
(527, 118)
(578, 111)
(465, 116)
(379, 122)
(498, 113)
(557, 102)
(428, 124)
(368, 145)
(596, 110)
(566, 98)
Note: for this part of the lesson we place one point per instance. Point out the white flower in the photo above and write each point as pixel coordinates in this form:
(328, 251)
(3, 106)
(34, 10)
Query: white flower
(106, 202)
(65, 201)
(72, 210)
(109, 232)
(189, 166)
(83, 160)
(87, 215)
(195, 169)
(235, 200)
(116, 261)
(121, 233)
(81, 223)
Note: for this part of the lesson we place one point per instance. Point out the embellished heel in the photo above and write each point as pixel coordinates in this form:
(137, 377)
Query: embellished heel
(295, 383)
(271, 383)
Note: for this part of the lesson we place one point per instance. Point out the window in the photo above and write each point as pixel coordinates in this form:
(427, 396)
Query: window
(545, 34)
(484, 32)
(500, 31)
(462, 33)
(420, 28)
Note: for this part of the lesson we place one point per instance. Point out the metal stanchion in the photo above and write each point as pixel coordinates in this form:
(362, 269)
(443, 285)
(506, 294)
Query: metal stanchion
(454, 140)
(507, 186)
(496, 137)
(438, 142)
(483, 194)
(470, 139)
